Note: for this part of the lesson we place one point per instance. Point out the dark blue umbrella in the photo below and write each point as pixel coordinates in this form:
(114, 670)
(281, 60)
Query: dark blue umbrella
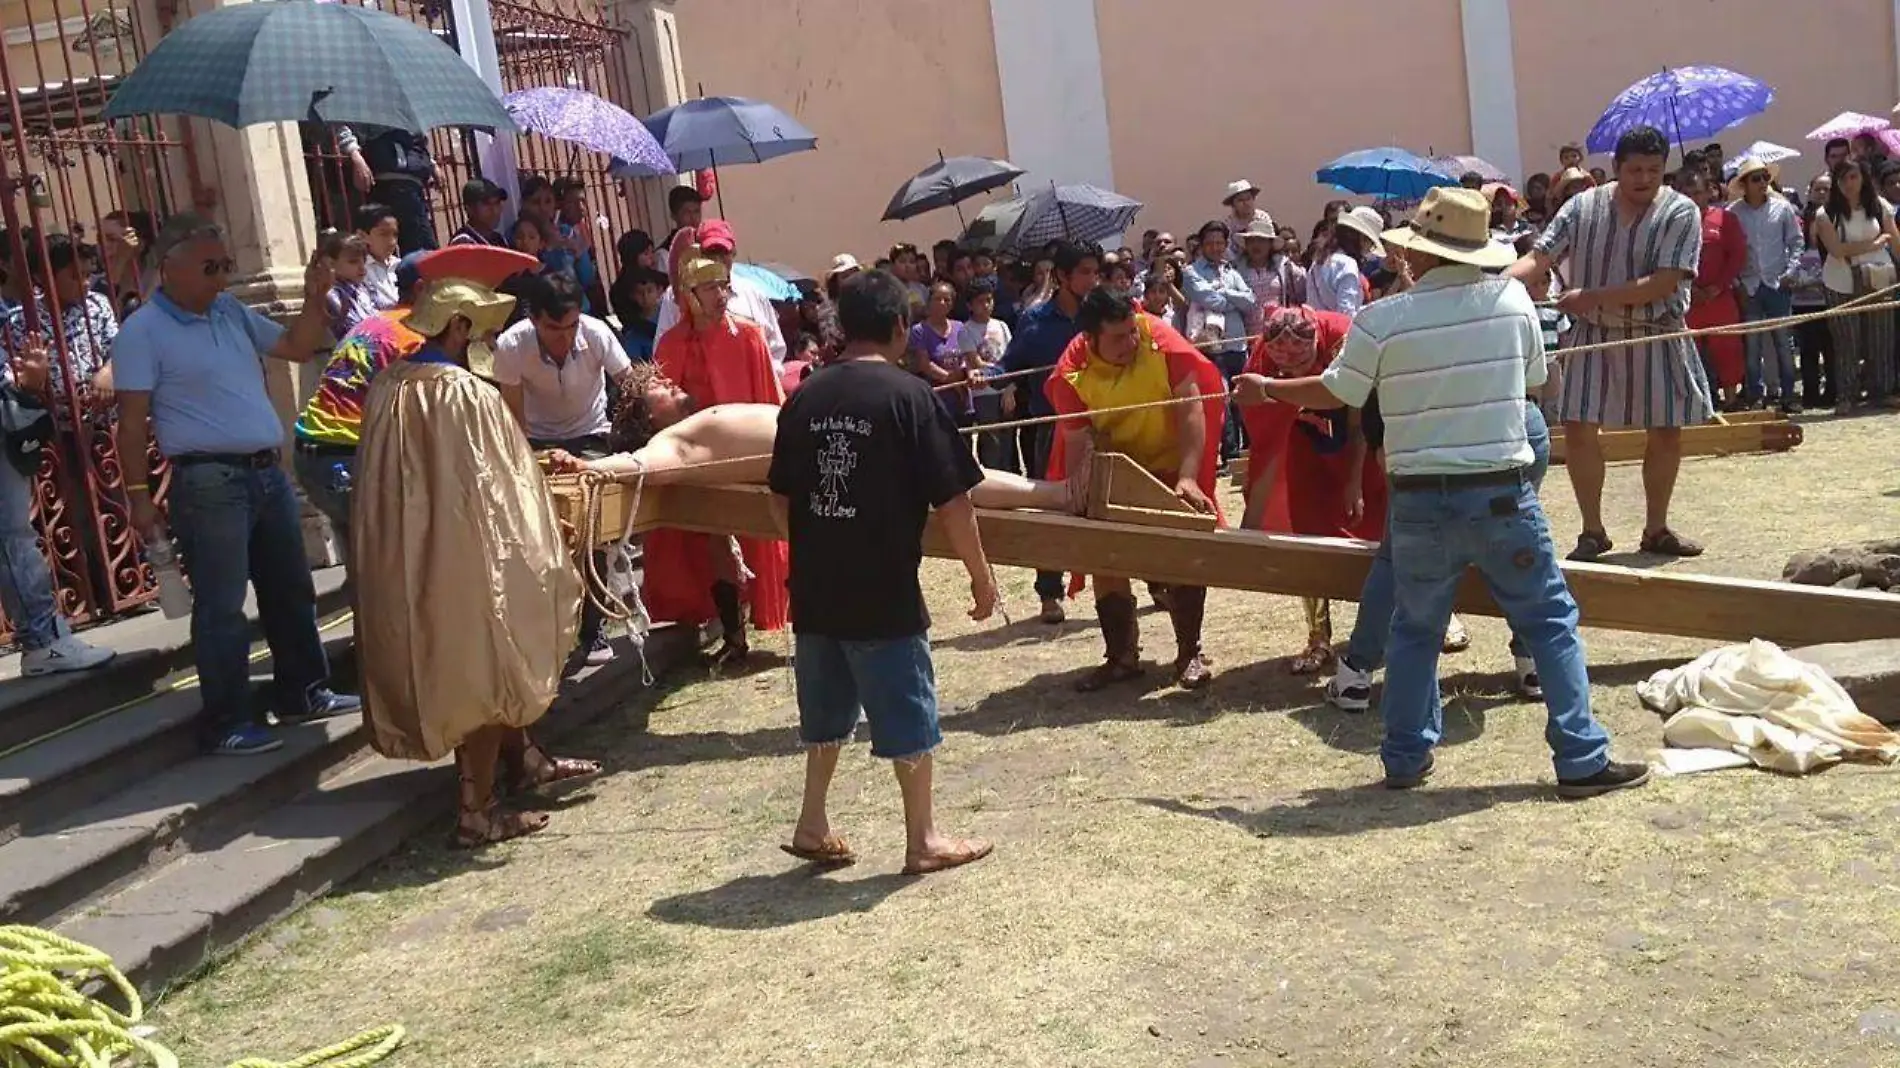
(948, 182)
(1384, 172)
(297, 61)
(717, 131)
(1685, 103)
(1074, 212)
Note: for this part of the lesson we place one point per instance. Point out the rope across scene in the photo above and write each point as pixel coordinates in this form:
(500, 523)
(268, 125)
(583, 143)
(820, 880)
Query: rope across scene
(45, 1022)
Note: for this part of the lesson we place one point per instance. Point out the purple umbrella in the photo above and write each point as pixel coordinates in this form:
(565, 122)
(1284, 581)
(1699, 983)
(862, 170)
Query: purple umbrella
(586, 120)
(1686, 103)
(1459, 166)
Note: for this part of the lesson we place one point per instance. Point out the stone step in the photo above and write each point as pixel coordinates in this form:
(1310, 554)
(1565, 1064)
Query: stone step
(190, 806)
(42, 782)
(179, 917)
(153, 652)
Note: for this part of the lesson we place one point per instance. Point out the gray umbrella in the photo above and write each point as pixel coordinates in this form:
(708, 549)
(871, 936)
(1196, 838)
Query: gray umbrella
(950, 181)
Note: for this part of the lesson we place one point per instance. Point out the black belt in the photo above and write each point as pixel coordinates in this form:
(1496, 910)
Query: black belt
(260, 459)
(1446, 483)
(324, 448)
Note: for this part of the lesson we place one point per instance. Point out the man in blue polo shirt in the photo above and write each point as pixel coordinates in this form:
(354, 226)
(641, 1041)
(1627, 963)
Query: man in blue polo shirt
(192, 361)
(1042, 333)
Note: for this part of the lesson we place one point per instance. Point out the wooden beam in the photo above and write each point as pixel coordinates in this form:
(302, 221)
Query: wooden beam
(1708, 439)
(1615, 598)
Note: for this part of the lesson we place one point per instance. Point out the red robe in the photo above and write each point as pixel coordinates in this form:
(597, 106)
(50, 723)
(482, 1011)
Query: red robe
(1315, 466)
(727, 364)
(1724, 255)
(1184, 362)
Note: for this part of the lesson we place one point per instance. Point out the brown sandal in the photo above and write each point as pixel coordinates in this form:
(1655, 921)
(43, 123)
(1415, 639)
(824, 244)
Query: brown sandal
(1666, 542)
(1591, 544)
(551, 777)
(963, 851)
(1108, 674)
(830, 853)
(495, 824)
(1317, 658)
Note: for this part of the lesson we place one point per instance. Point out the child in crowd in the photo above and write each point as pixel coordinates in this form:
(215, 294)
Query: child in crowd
(981, 341)
(378, 226)
(639, 315)
(351, 300)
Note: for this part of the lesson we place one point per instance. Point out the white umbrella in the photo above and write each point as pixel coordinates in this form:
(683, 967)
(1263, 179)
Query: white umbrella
(1766, 151)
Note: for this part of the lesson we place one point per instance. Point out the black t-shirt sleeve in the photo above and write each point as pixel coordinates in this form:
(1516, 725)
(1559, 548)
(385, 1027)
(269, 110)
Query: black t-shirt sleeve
(945, 467)
(788, 450)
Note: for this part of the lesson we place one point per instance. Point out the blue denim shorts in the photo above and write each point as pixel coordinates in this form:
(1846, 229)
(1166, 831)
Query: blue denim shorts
(892, 681)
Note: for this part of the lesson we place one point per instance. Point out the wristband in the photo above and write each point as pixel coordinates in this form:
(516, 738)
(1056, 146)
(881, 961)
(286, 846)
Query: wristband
(137, 487)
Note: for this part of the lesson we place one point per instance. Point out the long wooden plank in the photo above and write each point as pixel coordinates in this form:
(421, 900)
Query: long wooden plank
(1711, 439)
(1615, 598)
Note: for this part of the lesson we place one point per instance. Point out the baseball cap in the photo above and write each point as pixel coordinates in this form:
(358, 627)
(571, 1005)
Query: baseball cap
(481, 190)
(715, 235)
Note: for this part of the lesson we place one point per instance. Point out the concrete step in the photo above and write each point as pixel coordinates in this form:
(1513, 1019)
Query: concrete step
(42, 782)
(177, 918)
(153, 652)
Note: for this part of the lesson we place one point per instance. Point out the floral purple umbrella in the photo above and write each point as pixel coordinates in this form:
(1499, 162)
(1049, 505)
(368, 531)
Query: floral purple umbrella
(584, 119)
(1685, 103)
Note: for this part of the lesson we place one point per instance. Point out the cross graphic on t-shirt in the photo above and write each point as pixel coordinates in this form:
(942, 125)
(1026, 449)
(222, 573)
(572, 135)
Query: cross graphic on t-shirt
(835, 463)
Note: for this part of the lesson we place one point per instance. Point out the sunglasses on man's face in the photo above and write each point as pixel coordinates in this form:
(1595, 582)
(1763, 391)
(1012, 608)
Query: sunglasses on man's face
(1756, 178)
(213, 268)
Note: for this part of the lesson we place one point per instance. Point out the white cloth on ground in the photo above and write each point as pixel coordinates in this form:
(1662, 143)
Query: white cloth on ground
(1756, 700)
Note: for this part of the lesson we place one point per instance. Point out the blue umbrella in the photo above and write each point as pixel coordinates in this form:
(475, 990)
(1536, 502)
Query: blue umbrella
(1385, 172)
(1686, 103)
(771, 284)
(723, 130)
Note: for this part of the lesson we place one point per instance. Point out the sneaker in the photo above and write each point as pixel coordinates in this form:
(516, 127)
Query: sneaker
(1614, 776)
(246, 741)
(1792, 407)
(325, 704)
(1527, 683)
(66, 654)
(1349, 690)
(1408, 782)
(601, 652)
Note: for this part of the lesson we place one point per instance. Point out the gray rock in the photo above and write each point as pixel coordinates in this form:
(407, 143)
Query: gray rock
(1877, 563)
(1868, 670)
(1848, 582)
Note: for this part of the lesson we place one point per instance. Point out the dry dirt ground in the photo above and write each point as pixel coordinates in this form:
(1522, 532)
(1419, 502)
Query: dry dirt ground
(1207, 879)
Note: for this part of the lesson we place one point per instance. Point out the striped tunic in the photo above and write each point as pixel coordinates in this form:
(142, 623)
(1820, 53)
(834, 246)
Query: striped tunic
(1654, 384)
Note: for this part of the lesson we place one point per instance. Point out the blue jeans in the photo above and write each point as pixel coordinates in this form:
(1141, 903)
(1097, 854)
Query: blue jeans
(1049, 585)
(26, 580)
(892, 681)
(1366, 649)
(238, 526)
(1770, 348)
(1233, 436)
(327, 479)
(1435, 535)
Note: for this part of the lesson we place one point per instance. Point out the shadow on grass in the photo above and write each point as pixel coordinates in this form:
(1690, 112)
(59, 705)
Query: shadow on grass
(765, 902)
(1337, 812)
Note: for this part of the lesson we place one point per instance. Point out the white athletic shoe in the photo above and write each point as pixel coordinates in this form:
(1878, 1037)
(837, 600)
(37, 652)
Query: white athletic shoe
(1349, 690)
(1527, 681)
(66, 654)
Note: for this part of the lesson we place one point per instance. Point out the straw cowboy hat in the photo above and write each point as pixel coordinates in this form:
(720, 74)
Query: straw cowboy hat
(1365, 221)
(1571, 176)
(1236, 188)
(1454, 224)
(843, 263)
(1259, 228)
(1737, 185)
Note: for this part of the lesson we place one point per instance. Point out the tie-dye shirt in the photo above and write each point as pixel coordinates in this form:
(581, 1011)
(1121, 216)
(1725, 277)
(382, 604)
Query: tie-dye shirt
(334, 414)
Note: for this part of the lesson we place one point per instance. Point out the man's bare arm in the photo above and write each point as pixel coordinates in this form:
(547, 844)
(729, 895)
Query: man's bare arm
(1531, 265)
(513, 395)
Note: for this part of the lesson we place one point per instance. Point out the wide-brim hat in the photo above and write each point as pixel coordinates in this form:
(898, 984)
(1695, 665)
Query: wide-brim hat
(1365, 221)
(843, 263)
(1454, 224)
(1259, 228)
(1570, 175)
(1237, 187)
(1751, 165)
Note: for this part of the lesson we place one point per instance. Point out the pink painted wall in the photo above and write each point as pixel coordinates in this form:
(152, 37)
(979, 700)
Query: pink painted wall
(1318, 86)
(883, 85)
(1822, 56)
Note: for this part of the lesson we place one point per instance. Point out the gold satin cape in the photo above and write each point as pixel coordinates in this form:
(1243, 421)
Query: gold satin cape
(467, 600)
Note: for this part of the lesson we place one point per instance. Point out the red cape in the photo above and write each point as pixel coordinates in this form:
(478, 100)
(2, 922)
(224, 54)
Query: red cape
(1183, 360)
(716, 367)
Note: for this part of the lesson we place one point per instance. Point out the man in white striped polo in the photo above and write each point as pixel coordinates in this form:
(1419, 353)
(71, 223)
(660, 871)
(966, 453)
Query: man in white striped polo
(1633, 246)
(1451, 359)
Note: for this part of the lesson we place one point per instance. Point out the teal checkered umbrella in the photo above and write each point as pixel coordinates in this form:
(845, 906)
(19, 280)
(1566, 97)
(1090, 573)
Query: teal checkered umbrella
(298, 60)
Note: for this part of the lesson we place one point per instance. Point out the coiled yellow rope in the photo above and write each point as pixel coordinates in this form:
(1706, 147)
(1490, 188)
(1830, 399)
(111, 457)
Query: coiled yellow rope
(45, 1022)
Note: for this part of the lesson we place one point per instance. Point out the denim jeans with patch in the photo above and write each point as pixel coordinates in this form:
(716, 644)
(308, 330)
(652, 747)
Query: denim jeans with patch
(239, 526)
(1435, 536)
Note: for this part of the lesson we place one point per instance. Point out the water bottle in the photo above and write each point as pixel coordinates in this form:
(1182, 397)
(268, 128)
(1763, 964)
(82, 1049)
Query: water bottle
(174, 598)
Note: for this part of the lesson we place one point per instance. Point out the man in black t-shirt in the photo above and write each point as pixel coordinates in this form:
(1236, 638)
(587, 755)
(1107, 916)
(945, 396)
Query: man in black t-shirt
(864, 453)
